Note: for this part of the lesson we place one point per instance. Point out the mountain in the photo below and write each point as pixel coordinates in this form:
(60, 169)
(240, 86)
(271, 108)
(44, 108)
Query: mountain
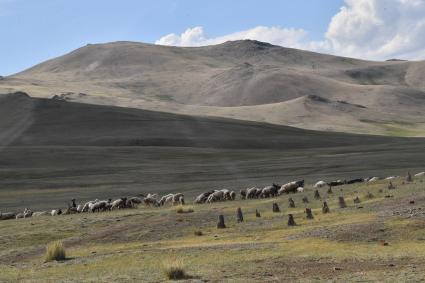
(247, 80)
(27, 121)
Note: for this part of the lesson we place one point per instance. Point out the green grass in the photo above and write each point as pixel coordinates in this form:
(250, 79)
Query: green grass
(134, 245)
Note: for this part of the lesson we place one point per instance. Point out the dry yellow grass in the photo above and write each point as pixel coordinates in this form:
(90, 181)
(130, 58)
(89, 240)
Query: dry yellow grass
(55, 251)
(184, 209)
(173, 269)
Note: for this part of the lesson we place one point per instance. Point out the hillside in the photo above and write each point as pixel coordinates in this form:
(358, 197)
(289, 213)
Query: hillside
(54, 150)
(246, 80)
(38, 122)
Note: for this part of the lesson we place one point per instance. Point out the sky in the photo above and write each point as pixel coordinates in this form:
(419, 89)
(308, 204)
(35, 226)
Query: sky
(34, 31)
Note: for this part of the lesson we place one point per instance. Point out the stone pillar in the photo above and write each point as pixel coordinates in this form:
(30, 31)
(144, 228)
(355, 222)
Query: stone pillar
(239, 215)
(220, 224)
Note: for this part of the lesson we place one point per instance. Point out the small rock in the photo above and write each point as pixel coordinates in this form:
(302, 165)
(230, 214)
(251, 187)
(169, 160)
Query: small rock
(337, 268)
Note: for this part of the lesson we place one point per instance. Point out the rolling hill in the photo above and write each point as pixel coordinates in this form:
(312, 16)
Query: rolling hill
(53, 150)
(246, 80)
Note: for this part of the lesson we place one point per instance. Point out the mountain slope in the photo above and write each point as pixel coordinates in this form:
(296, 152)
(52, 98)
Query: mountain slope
(30, 121)
(227, 79)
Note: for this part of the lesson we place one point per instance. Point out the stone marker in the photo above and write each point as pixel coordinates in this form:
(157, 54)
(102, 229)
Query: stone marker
(316, 194)
(239, 215)
(325, 207)
(220, 224)
(257, 213)
(391, 186)
(305, 199)
(291, 203)
(309, 213)
(342, 203)
(276, 207)
(357, 200)
(291, 221)
(409, 177)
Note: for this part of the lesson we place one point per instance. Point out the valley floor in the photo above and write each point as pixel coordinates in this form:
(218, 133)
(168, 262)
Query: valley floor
(345, 245)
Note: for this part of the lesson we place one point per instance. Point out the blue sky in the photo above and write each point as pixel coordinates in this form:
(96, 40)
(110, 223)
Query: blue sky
(34, 31)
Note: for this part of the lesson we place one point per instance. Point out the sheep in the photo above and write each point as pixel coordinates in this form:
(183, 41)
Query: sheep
(300, 189)
(374, 179)
(26, 214)
(118, 203)
(216, 196)
(352, 181)
(100, 206)
(80, 208)
(87, 205)
(7, 215)
(337, 183)
(150, 200)
(421, 174)
(320, 184)
(40, 213)
(55, 212)
(19, 215)
(133, 201)
(166, 199)
(202, 198)
(391, 178)
(178, 199)
(232, 195)
(291, 187)
(270, 191)
(243, 193)
(226, 194)
(252, 193)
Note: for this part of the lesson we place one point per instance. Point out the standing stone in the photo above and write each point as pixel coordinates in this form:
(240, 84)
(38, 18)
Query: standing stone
(276, 207)
(409, 177)
(325, 207)
(257, 213)
(342, 203)
(291, 221)
(309, 213)
(239, 215)
(220, 224)
(291, 203)
(305, 199)
(357, 200)
(316, 194)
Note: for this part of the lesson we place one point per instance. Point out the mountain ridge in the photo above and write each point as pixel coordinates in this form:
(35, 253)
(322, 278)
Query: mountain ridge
(227, 79)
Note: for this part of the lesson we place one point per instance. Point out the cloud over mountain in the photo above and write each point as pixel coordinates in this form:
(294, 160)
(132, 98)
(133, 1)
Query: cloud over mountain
(370, 29)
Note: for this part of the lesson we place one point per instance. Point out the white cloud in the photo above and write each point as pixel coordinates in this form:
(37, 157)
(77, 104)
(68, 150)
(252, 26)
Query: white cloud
(378, 29)
(197, 37)
(370, 29)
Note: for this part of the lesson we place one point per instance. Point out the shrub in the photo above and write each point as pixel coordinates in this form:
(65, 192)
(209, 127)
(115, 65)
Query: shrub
(55, 251)
(174, 269)
(198, 233)
(183, 209)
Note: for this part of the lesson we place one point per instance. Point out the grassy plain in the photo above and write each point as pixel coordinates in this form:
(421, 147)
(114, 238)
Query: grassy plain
(131, 245)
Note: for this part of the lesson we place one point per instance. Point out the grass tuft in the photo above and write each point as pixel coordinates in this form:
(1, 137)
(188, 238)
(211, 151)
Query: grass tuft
(55, 251)
(184, 209)
(173, 269)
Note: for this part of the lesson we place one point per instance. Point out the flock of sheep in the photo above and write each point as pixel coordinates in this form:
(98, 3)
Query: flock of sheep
(178, 198)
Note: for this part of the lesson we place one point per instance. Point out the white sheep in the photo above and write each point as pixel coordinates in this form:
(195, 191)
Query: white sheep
(320, 184)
